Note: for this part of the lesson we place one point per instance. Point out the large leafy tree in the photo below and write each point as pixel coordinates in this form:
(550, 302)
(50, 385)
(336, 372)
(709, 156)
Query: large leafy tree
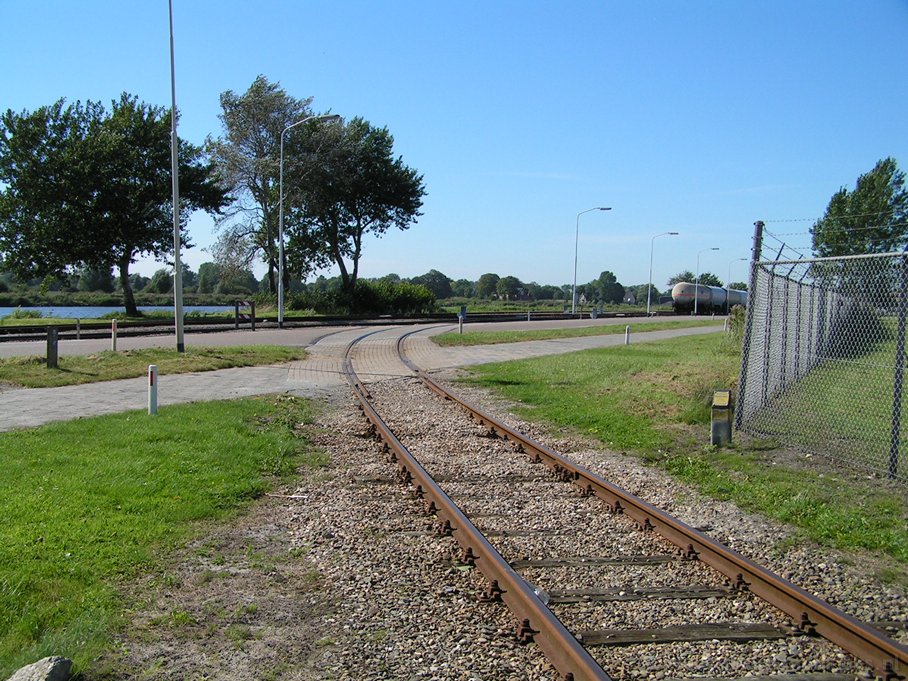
(873, 218)
(349, 185)
(487, 285)
(437, 282)
(606, 288)
(84, 187)
(248, 159)
(685, 275)
(508, 287)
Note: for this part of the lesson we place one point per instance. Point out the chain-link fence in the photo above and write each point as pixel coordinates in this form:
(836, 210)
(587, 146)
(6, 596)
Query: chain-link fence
(824, 358)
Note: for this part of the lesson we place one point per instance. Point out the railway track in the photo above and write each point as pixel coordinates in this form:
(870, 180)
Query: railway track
(596, 577)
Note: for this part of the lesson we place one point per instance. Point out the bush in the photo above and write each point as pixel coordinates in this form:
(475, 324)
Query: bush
(369, 297)
(737, 319)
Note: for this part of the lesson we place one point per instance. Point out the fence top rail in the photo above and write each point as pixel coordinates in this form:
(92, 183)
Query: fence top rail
(833, 258)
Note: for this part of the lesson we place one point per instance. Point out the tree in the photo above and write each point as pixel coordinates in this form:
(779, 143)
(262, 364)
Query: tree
(487, 285)
(436, 282)
(550, 292)
(248, 160)
(871, 219)
(709, 279)
(240, 282)
(606, 288)
(463, 288)
(96, 279)
(686, 275)
(353, 187)
(161, 281)
(209, 276)
(639, 292)
(84, 187)
(136, 281)
(739, 285)
(508, 287)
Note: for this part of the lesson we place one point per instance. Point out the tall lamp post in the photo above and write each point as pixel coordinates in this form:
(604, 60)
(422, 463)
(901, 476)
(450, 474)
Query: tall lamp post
(280, 229)
(728, 284)
(174, 162)
(576, 242)
(697, 284)
(649, 287)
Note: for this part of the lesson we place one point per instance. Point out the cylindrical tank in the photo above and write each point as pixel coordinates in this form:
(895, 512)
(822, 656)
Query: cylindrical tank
(736, 297)
(683, 294)
(709, 298)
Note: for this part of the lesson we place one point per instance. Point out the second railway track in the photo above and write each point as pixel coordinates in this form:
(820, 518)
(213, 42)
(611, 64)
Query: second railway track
(577, 562)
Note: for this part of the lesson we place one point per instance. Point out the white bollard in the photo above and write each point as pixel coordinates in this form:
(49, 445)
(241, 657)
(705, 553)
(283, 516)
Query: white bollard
(460, 323)
(627, 335)
(113, 335)
(528, 315)
(725, 326)
(152, 389)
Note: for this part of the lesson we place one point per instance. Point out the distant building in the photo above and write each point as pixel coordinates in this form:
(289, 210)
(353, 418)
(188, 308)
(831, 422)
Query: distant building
(630, 298)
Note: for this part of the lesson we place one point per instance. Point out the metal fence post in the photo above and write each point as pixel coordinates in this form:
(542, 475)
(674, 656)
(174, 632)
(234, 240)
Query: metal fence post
(783, 370)
(756, 249)
(895, 435)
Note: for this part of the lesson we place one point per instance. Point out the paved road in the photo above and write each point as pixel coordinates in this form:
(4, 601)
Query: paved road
(315, 376)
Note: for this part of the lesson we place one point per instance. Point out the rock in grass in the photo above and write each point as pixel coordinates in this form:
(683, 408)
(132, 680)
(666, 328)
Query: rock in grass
(49, 669)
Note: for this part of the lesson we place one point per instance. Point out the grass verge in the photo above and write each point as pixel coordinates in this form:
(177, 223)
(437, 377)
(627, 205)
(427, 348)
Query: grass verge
(653, 400)
(32, 372)
(492, 337)
(89, 503)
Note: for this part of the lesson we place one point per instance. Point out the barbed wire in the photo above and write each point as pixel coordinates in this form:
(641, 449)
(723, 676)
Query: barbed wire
(844, 229)
(833, 217)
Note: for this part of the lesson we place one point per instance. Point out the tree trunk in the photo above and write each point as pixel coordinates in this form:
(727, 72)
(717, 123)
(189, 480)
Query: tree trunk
(357, 252)
(272, 288)
(129, 300)
(345, 276)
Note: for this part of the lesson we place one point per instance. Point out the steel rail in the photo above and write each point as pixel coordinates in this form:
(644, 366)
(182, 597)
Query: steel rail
(536, 623)
(809, 613)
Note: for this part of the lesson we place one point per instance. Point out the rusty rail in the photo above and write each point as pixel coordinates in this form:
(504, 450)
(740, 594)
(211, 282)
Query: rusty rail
(536, 622)
(809, 613)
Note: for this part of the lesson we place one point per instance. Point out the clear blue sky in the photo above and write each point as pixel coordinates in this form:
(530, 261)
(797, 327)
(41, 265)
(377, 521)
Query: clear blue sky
(695, 117)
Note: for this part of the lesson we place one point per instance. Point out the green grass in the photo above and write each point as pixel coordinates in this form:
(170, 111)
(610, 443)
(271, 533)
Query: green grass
(32, 372)
(855, 418)
(653, 400)
(11, 320)
(453, 338)
(87, 504)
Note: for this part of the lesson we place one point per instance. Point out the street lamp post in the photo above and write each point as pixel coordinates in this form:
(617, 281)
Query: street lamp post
(174, 162)
(576, 242)
(280, 229)
(649, 286)
(697, 284)
(728, 284)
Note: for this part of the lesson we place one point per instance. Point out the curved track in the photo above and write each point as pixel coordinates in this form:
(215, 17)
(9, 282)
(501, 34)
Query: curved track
(532, 608)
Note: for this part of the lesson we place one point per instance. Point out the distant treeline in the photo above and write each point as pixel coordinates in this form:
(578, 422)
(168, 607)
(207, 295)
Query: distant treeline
(216, 285)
